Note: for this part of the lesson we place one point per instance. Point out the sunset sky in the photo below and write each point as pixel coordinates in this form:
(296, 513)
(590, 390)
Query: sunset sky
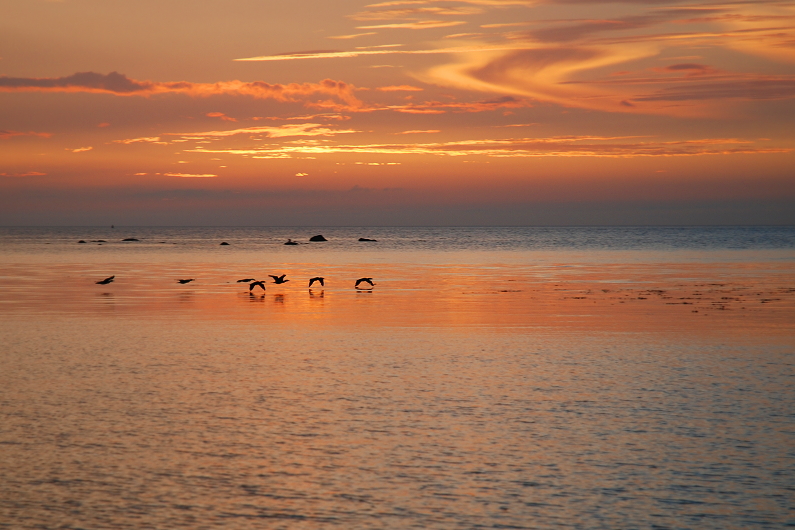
(446, 112)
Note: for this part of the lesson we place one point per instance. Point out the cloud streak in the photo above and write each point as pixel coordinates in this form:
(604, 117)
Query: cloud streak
(559, 146)
(6, 134)
(283, 131)
(121, 85)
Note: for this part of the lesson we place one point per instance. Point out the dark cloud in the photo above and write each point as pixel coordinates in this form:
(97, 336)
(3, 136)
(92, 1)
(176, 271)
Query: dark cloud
(112, 82)
(737, 89)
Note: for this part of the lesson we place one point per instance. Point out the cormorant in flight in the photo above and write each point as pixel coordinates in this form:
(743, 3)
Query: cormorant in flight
(316, 279)
(183, 282)
(364, 280)
(246, 280)
(106, 281)
(252, 285)
(278, 279)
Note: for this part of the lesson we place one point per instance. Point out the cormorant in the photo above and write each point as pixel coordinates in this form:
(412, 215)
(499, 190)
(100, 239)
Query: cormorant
(364, 280)
(278, 279)
(106, 281)
(316, 279)
(252, 285)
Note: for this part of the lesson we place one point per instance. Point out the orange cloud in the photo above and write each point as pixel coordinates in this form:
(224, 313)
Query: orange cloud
(487, 3)
(190, 175)
(437, 107)
(410, 13)
(297, 129)
(420, 24)
(398, 88)
(80, 149)
(353, 36)
(219, 115)
(559, 146)
(430, 131)
(146, 139)
(6, 134)
(27, 174)
(120, 85)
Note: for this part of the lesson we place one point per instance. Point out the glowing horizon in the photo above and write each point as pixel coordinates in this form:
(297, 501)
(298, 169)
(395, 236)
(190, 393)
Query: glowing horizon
(439, 108)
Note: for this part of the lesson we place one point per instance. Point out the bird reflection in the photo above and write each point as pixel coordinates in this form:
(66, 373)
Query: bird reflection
(321, 294)
(278, 298)
(256, 298)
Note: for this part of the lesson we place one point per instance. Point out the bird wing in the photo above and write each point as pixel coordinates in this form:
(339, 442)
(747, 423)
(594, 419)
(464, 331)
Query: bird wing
(311, 281)
(321, 282)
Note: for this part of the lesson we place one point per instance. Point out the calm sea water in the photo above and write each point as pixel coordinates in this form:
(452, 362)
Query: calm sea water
(413, 239)
(492, 378)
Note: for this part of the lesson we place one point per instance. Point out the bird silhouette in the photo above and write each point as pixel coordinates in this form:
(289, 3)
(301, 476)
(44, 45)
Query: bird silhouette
(278, 279)
(364, 280)
(106, 281)
(291, 242)
(246, 280)
(252, 285)
(183, 282)
(316, 279)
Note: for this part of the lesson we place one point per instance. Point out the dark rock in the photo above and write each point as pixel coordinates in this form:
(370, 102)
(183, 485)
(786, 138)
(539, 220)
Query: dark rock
(317, 238)
(224, 243)
(366, 239)
(131, 239)
(81, 241)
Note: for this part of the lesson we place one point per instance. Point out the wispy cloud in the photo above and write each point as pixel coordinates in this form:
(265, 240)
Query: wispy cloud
(353, 36)
(282, 131)
(120, 85)
(80, 149)
(6, 134)
(25, 174)
(411, 13)
(399, 88)
(219, 115)
(145, 139)
(559, 146)
(190, 175)
(486, 3)
(419, 24)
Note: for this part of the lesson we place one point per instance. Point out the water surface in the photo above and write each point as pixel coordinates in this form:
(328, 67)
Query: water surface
(493, 378)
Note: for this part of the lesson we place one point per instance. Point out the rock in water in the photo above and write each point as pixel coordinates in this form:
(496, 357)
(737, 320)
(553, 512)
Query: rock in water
(318, 238)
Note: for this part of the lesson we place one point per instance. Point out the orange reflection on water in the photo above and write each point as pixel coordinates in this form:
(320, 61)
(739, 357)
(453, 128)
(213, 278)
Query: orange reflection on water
(749, 296)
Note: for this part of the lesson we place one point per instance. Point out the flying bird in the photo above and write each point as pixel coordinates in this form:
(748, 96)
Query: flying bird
(316, 279)
(106, 281)
(246, 280)
(183, 282)
(252, 285)
(364, 280)
(278, 279)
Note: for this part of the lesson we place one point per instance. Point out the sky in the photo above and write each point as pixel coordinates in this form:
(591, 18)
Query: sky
(415, 112)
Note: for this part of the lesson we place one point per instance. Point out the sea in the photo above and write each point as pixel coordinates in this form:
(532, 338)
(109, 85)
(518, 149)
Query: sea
(490, 377)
